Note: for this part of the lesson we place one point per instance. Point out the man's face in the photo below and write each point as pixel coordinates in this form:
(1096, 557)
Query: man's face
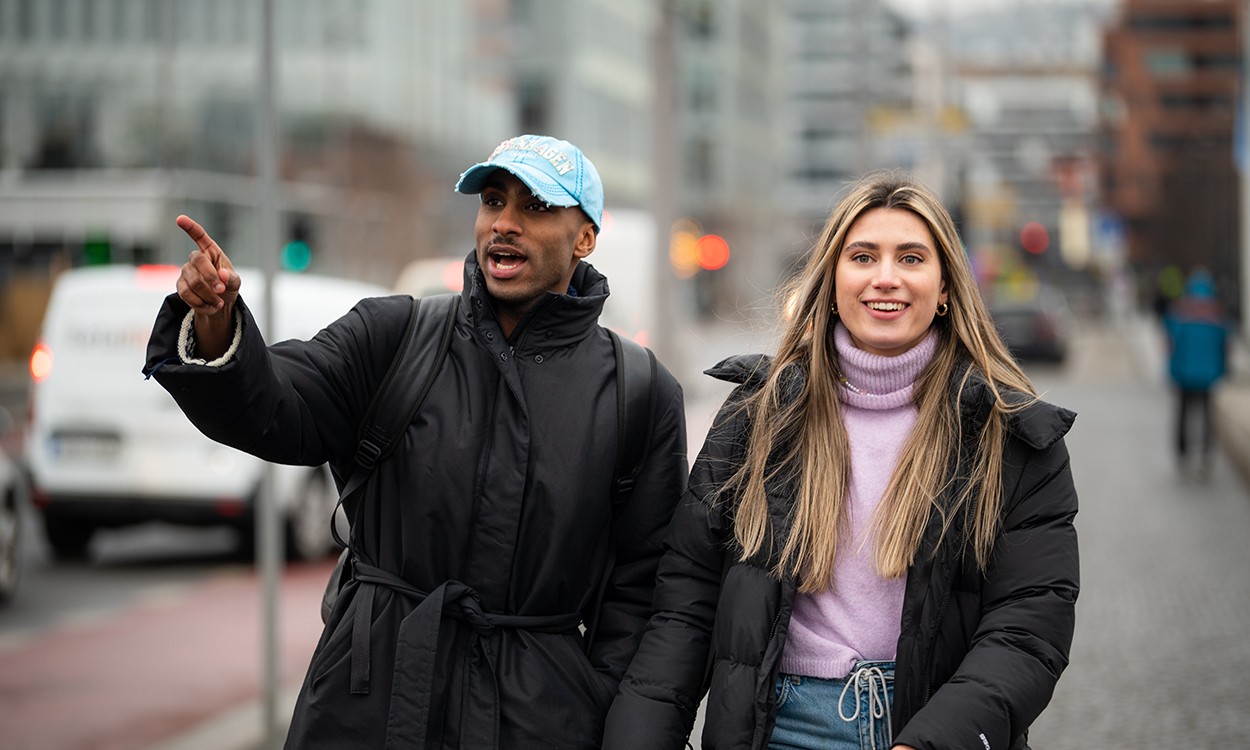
(524, 246)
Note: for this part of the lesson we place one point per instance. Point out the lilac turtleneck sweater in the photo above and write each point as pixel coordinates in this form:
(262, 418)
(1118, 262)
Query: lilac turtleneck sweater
(858, 617)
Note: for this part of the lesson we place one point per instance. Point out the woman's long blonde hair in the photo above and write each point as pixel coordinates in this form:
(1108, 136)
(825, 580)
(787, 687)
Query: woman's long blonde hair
(798, 439)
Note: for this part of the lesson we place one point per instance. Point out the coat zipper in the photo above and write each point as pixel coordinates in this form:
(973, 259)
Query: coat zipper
(528, 321)
(937, 625)
(772, 632)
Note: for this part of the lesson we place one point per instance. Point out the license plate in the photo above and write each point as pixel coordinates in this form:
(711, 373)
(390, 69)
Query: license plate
(87, 447)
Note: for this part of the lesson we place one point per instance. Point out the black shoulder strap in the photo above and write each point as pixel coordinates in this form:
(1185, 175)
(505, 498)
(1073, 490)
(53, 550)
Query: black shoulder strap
(409, 378)
(635, 414)
(635, 424)
(417, 361)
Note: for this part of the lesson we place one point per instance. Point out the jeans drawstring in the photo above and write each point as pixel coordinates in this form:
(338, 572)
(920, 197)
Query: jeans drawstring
(875, 682)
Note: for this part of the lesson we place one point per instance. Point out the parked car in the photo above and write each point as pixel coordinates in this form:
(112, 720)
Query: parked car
(1035, 328)
(12, 526)
(106, 448)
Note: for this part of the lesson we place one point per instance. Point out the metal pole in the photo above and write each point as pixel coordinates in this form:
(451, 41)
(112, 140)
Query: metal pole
(663, 157)
(1242, 153)
(268, 541)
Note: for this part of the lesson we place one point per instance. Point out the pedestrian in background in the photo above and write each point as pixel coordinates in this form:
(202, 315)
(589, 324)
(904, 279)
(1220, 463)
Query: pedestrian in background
(877, 545)
(486, 539)
(1197, 335)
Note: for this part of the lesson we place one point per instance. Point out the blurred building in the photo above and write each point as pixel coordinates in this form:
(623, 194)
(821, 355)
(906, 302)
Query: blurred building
(115, 115)
(581, 70)
(152, 104)
(725, 148)
(1170, 97)
(1026, 82)
(846, 61)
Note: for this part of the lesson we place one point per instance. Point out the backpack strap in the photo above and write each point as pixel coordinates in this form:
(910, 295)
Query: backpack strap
(418, 360)
(420, 355)
(636, 390)
(635, 414)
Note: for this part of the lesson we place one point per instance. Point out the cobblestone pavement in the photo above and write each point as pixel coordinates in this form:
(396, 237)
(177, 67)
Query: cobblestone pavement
(1162, 649)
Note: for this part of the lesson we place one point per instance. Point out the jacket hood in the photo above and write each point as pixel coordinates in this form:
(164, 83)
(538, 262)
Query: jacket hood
(1039, 424)
(742, 369)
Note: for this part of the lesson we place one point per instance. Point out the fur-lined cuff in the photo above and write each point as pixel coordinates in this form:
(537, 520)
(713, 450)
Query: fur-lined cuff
(186, 342)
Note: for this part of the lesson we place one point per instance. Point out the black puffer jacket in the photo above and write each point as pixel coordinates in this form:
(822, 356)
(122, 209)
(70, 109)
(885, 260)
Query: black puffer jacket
(978, 656)
(482, 539)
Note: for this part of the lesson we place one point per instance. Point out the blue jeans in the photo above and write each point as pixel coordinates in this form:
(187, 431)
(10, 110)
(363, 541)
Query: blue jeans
(850, 714)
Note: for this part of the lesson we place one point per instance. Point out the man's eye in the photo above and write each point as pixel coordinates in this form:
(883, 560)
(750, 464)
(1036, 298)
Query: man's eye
(539, 206)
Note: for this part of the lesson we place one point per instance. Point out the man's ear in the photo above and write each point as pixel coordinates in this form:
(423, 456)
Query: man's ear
(586, 239)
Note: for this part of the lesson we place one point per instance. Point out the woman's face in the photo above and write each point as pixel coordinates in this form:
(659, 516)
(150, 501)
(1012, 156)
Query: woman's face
(888, 281)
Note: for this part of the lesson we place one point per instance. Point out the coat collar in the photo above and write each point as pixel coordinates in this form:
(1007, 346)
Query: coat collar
(557, 320)
(1038, 424)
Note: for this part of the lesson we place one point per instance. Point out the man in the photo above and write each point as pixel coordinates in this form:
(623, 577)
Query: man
(1197, 359)
(486, 538)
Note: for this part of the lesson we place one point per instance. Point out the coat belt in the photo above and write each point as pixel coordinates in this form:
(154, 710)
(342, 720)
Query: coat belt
(412, 685)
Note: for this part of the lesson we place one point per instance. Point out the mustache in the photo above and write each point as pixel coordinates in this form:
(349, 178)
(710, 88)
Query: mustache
(498, 242)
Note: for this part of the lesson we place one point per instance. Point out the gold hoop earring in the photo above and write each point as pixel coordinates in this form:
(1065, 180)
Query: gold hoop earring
(834, 308)
(942, 309)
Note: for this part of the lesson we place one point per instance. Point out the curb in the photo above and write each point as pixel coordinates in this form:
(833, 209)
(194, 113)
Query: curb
(1231, 413)
(242, 728)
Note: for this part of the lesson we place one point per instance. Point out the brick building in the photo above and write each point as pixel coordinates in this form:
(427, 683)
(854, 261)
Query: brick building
(1169, 99)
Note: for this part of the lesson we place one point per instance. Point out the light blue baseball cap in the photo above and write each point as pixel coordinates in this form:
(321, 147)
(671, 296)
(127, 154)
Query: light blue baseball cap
(554, 170)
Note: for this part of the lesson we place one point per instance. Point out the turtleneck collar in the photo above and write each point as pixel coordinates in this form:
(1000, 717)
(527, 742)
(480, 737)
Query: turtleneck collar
(874, 381)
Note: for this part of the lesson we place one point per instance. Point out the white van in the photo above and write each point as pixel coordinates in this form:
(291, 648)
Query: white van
(107, 448)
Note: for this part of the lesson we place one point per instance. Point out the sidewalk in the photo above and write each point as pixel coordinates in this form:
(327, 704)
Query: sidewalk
(242, 728)
(178, 670)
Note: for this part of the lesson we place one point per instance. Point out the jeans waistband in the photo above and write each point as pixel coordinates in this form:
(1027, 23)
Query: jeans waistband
(872, 679)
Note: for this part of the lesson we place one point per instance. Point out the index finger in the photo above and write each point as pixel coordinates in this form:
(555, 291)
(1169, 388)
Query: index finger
(199, 236)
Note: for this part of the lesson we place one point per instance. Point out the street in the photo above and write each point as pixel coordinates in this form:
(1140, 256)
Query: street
(1160, 656)
(157, 635)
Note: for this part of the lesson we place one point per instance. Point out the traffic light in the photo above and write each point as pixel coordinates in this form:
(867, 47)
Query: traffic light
(297, 252)
(713, 252)
(97, 250)
(1034, 238)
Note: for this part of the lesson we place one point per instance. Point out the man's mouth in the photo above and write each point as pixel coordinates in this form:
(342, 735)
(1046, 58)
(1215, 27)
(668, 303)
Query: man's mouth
(506, 261)
(503, 261)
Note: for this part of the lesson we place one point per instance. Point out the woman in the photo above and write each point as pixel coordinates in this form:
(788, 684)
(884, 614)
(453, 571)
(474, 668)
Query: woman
(877, 539)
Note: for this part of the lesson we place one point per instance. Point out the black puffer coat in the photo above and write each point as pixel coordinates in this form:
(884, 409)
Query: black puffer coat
(978, 656)
(482, 539)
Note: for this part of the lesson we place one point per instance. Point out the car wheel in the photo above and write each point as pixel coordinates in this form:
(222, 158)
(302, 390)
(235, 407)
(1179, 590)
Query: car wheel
(10, 546)
(308, 524)
(68, 539)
